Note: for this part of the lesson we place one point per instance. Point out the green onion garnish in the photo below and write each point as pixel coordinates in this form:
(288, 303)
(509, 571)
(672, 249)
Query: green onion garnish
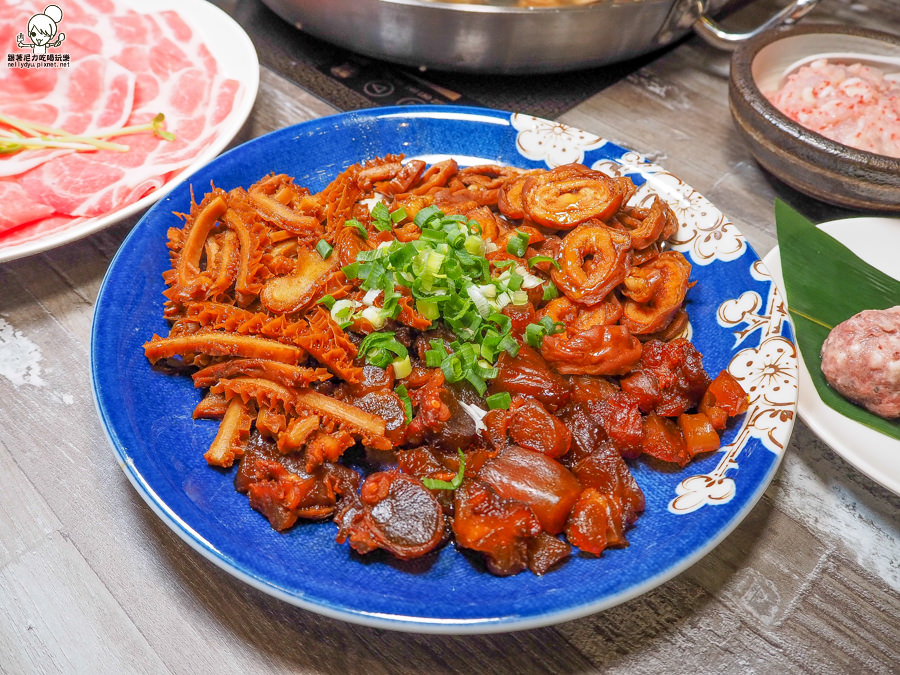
(434, 484)
(328, 301)
(398, 214)
(381, 218)
(324, 249)
(500, 400)
(402, 367)
(428, 309)
(424, 215)
(550, 291)
(517, 244)
(450, 280)
(350, 271)
(535, 332)
(474, 245)
(358, 226)
(342, 311)
(534, 260)
(381, 349)
(403, 395)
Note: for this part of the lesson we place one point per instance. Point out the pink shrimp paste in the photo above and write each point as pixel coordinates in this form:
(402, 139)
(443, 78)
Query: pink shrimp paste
(853, 104)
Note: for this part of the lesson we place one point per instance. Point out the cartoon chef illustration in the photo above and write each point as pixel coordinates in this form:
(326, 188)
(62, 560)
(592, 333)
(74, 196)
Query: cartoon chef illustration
(42, 29)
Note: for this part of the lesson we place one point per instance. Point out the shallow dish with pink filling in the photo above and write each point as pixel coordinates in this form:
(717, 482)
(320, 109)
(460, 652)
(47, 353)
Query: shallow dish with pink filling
(803, 97)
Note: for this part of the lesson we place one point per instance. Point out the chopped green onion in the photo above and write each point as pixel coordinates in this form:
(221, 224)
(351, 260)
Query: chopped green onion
(552, 327)
(433, 263)
(324, 249)
(341, 310)
(327, 300)
(434, 484)
(517, 244)
(428, 309)
(488, 290)
(550, 291)
(481, 302)
(381, 349)
(534, 260)
(381, 218)
(402, 367)
(398, 214)
(535, 332)
(509, 345)
(514, 282)
(358, 226)
(374, 316)
(500, 400)
(449, 279)
(436, 354)
(424, 215)
(520, 297)
(403, 395)
(534, 335)
(453, 368)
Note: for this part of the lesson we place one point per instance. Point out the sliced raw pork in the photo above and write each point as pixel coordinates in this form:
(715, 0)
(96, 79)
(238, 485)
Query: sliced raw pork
(126, 66)
(93, 96)
(18, 207)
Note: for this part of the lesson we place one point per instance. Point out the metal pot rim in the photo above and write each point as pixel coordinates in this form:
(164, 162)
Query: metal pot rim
(465, 8)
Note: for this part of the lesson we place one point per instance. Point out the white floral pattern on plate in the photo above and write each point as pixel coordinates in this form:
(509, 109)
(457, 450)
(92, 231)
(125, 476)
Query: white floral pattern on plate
(552, 142)
(768, 373)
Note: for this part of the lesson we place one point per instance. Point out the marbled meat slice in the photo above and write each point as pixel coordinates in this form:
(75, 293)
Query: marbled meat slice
(18, 207)
(172, 72)
(92, 96)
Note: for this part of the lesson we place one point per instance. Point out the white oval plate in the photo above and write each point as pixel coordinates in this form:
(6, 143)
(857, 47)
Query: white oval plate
(875, 240)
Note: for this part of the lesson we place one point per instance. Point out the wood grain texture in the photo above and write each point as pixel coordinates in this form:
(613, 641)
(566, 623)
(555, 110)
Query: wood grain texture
(91, 581)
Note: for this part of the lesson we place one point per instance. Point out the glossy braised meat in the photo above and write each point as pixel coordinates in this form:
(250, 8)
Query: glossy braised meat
(395, 512)
(534, 479)
(387, 405)
(496, 526)
(533, 428)
(529, 374)
(669, 379)
(487, 346)
(280, 488)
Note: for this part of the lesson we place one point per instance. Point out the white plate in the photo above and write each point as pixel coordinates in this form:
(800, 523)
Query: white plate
(875, 240)
(236, 55)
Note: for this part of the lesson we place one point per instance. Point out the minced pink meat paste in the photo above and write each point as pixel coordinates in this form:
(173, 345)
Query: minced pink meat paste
(861, 360)
(853, 104)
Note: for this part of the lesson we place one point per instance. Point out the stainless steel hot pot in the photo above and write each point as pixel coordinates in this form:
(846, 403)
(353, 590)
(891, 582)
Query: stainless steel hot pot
(500, 38)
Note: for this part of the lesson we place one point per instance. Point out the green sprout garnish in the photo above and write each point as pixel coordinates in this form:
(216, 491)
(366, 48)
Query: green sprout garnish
(24, 135)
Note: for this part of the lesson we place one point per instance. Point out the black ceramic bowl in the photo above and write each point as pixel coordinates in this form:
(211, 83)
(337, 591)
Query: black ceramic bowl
(807, 161)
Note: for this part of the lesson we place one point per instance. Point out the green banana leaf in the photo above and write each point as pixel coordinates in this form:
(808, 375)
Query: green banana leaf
(826, 283)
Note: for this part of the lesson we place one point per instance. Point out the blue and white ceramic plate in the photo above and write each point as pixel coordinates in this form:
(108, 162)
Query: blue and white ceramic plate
(738, 322)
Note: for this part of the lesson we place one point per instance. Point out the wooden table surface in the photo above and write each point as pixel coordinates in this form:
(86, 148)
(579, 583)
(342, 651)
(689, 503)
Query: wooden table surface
(91, 581)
